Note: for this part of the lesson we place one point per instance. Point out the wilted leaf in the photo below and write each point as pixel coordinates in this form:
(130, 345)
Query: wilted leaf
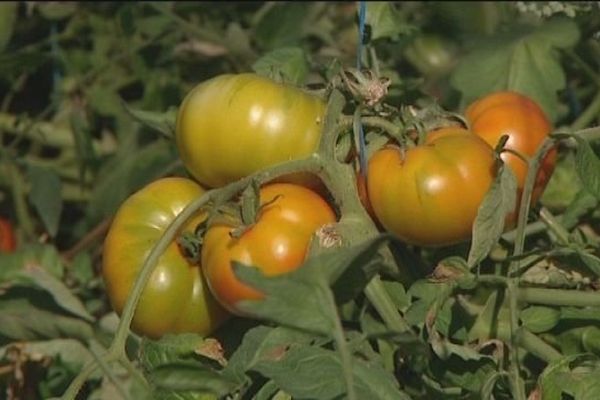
(45, 196)
(525, 62)
(488, 226)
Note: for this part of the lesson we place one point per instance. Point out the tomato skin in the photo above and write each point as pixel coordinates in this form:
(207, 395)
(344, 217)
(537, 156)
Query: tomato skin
(277, 243)
(233, 125)
(526, 124)
(430, 195)
(8, 242)
(175, 298)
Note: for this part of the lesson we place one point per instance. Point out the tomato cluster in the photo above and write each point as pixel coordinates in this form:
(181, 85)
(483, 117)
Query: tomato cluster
(428, 194)
(267, 123)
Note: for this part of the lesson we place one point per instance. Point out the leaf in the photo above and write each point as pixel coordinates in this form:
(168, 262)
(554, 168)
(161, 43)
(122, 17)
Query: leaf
(590, 261)
(163, 122)
(259, 343)
(192, 378)
(307, 289)
(587, 165)
(39, 277)
(8, 17)
(540, 319)
(169, 349)
(70, 351)
(386, 21)
(564, 184)
(297, 369)
(576, 376)
(288, 64)
(57, 10)
(583, 203)
(525, 62)
(488, 226)
(127, 172)
(45, 196)
(281, 25)
(20, 320)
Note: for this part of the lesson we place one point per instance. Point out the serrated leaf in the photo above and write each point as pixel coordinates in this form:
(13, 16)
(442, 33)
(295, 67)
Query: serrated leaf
(162, 122)
(169, 349)
(45, 196)
(8, 17)
(386, 21)
(296, 371)
(20, 320)
(525, 62)
(288, 64)
(307, 289)
(587, 165)
(488, 226)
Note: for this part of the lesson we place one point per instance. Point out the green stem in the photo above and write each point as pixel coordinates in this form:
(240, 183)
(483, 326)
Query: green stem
(108, 372)
(81, 378)
(375, 122)
(342, 347)
(536, 346)
(559, 297)
(591, 113)
(518, 389)
(530, 229)
(377, 295)
(18, 192)
(532, 171)
(551, 222)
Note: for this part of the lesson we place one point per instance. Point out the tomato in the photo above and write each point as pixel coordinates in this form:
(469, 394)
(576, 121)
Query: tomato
(7, 236)
(429, 195)
(175, 298)
(276, 243)
(431, 54)
(519, 117)
(233, 125)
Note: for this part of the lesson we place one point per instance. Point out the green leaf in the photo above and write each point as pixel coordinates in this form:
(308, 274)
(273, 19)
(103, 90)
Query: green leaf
(57, 10)
(589, 260)
(288, 64)
(587, 164)
(583, 203)
(127, 172)
(36, 275)
(522, 61)
(70, 351)
(169, 349)
(576, 376)
(314, 373)
(564, 184)
(307, 289)
(281, 25)
(208, 383)
(540, 319)
(163, 122)
(488, 226)
(45, 196)
(8, 17)
(20, 320)
(386, 21)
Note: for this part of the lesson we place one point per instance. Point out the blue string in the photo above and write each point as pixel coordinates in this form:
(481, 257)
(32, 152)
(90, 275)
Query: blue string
(362, 152)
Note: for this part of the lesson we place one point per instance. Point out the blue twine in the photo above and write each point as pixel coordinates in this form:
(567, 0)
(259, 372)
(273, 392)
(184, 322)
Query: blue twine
(362, 151)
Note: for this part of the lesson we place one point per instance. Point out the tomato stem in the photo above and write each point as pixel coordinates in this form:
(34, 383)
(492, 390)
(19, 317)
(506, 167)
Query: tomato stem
(552, 223)
(559, 297)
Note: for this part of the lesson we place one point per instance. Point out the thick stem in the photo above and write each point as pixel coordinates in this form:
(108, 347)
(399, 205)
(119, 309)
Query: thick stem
(559, 297)
(518, 389)
(589, 114)
(536, 346)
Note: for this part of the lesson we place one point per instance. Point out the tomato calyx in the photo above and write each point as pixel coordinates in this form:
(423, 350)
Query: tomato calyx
(190, 246)
(365, 85)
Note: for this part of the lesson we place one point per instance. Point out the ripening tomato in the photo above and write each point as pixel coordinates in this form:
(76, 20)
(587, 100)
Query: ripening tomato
(7, 237)
(429, 195)
(233, 125)
(175, 298)
(525, 123)
(276, 243)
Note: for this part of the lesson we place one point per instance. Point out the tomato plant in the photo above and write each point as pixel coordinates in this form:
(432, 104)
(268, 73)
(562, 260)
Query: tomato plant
(176, 298)
(430, 194)
(276, 243)
(431, 54)
(525, 123)
(233, 125)
(7, 236)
